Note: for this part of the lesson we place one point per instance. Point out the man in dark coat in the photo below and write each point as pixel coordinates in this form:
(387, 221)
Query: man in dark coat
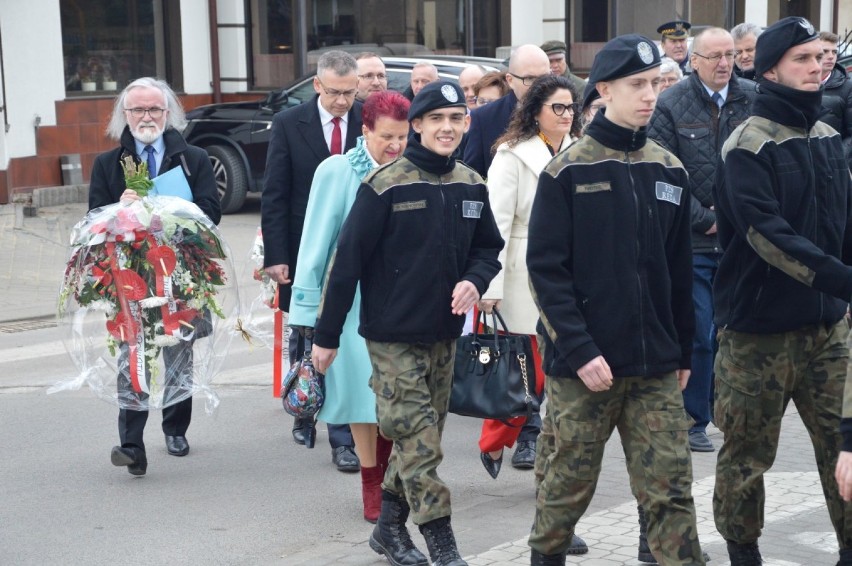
(143, 122)
(489, 122)
(302, 137)
(692, 120)
(837, 94)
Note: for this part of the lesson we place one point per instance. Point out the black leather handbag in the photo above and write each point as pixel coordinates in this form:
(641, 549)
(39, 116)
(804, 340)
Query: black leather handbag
(494, 374)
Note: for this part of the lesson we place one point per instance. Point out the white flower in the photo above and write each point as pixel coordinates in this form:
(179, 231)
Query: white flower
(153, 302)
(102, 305)
(166, 340)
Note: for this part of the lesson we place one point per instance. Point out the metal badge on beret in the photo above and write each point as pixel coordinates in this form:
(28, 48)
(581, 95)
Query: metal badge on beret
(807, 25)
(450, 93)
(645, 52)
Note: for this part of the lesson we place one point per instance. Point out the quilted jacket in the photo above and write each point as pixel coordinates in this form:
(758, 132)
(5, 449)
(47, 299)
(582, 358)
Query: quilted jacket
(690, 125)
(837, 106)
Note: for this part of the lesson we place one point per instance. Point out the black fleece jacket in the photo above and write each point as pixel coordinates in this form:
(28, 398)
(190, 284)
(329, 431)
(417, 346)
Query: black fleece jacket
(610, 258)
(784, 210)
(418, 226)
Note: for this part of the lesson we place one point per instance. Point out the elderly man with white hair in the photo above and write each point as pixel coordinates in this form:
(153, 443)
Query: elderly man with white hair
(146, 120)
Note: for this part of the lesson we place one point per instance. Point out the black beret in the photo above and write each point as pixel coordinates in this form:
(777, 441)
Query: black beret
(777, 39)
(590, 94)
(678, 29)
(438, 94)
(554, 46)
(623, 56)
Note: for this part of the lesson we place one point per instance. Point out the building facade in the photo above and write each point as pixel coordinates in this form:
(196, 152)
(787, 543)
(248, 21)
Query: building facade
(62, 61)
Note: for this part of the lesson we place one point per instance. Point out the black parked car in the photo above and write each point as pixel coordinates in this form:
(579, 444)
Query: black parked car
(236, 135)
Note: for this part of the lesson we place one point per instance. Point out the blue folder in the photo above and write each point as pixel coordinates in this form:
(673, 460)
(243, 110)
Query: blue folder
(172, 183)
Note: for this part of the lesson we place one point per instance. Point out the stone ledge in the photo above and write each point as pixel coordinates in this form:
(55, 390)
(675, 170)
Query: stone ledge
(55, 196)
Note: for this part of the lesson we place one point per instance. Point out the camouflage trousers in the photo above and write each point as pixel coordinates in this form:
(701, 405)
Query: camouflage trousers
(756, 376)
(653, 425)
(412, 383)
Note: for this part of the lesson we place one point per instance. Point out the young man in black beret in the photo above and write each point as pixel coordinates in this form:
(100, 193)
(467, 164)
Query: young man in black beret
(423, 243)
(784, 212)
(610, 266)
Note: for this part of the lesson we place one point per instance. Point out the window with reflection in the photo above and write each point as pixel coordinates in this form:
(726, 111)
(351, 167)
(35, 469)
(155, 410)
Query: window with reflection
(106, 44)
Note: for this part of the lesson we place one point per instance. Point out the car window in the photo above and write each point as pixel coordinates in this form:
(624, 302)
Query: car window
(399, 79)
(302, 92)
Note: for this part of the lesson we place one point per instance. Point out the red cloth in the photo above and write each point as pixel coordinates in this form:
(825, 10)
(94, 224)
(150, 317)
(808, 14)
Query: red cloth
(496, 435)
(336, 137)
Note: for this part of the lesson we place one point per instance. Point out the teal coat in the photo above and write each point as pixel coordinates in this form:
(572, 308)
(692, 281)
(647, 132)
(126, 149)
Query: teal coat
(349, 398)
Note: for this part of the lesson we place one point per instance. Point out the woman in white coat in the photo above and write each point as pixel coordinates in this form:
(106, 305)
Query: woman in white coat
(540, 128)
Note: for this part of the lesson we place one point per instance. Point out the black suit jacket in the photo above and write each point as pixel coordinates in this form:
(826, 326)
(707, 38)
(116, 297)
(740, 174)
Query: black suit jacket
(486, 125)
(296, 148)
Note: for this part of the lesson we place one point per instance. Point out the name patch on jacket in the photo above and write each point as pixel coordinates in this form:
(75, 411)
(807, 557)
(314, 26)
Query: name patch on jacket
(668, 193)
(471, 209)
(593, 188)
(410, 205)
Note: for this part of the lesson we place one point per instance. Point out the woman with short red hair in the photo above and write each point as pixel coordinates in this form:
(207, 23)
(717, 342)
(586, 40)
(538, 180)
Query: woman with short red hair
(349, 399)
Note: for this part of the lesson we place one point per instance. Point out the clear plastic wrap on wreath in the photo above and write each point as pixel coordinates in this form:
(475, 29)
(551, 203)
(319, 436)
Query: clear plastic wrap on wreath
(259, 302)
(148, 303)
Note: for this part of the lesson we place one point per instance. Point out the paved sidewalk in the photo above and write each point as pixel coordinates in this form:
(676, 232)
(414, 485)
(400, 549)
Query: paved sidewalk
(33, 252)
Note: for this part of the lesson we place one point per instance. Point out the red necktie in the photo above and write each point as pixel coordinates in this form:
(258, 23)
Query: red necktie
(336, 142)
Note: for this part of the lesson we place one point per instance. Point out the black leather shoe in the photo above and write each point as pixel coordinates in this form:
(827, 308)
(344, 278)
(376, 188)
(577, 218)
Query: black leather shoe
(578, 546)
(700, 442)
(177, 445)
(491, 465)
(524, 456)
(133, 458)
(299, 429)
(345, 459)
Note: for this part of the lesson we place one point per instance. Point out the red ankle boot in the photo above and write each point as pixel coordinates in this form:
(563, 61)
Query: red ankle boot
(371, 492)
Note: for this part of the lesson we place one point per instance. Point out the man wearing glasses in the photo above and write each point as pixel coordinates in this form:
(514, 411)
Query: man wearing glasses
(145, 121)
(302, 137)
(692, 120)
(488, 123)
(372, 75)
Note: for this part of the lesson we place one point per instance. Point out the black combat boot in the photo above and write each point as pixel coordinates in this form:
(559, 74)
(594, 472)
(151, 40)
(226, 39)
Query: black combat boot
(539, 559)
(391, 538)
(644, 550)
(845, 557)
(744, 554)
(441, 543)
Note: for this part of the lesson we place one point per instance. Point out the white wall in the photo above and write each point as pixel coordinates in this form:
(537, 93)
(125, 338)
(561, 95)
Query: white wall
(527, 24)
(757, 12)
(32, 61)
(195, 46)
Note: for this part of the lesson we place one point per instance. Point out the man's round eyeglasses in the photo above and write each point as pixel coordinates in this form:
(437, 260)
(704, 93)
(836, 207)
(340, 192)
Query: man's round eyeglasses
(559, 109)
(373, 76)
(526, 80)
(333, 92)
(152, 112)
(718, 57)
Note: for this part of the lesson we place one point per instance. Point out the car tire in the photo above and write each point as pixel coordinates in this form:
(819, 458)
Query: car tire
(231, 178)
